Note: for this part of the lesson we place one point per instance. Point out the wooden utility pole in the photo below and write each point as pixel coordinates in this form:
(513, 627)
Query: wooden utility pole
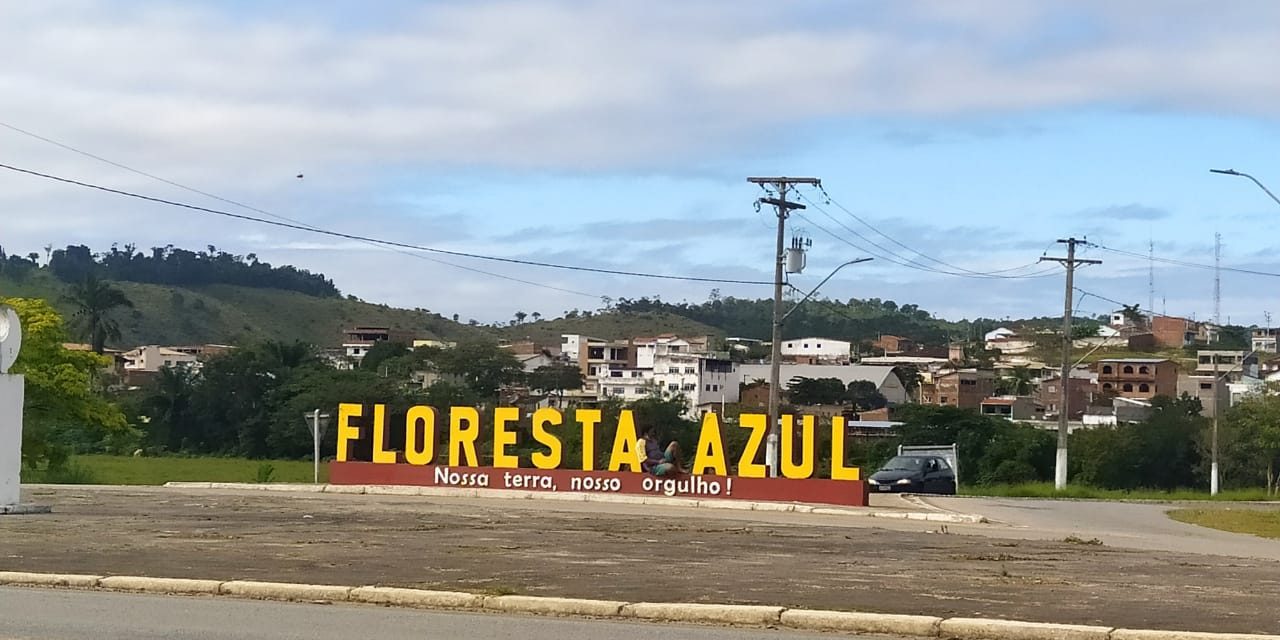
(783, 207)
(1070, 262)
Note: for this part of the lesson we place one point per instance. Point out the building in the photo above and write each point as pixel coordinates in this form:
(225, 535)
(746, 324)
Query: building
(1141, 378)
(1010, 407)
(816, 350)
(357, 341)
(1231, 365)
(203, 352)
(962, 388)
(1264, 340)
(1174, 333)
(1011, 345)
(885, 378)
(1120, 411)
(1002, 332)
(892, 345)
(153, 358)
(1212, 392)
(1081, 387)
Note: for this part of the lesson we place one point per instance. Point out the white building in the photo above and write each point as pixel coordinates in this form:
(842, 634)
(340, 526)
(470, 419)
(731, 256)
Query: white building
(817, 349)
(624, 383)
(155, 358)
(1002, 332)
(886, 380)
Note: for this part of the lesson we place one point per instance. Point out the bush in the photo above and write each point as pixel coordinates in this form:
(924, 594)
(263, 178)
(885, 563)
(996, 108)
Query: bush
(1012, 472)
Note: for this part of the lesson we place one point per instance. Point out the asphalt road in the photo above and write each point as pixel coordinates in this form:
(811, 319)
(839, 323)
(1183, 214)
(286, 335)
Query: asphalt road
(1125, 525)
(47, 614)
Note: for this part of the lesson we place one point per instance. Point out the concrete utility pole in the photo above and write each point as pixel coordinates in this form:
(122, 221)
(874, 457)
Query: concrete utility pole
(781, 185)
(1070, 262)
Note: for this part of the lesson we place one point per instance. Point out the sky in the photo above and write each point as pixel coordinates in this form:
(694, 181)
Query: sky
(955, 141)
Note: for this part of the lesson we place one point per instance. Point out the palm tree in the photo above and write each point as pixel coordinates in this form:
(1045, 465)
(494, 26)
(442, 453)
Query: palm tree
(95, 299)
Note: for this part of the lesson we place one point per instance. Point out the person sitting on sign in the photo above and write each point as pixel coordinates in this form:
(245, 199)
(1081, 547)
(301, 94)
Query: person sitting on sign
(657, 460)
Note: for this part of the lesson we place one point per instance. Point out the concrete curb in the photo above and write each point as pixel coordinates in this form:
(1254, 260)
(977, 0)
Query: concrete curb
(983, 629)
(160, 585)
(704, 613)
(745, 615)
(515, 494)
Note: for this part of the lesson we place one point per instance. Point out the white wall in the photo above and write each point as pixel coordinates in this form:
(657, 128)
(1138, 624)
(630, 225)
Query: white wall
(11, 388)
(816, 347)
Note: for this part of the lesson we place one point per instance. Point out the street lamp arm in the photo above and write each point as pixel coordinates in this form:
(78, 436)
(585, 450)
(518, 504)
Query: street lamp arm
(824, 281)
(1233, 172)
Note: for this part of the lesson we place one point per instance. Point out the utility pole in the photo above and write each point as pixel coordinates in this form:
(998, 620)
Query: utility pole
(1070, 262)
(784, 208)
(1217, 279)
(1213, 446)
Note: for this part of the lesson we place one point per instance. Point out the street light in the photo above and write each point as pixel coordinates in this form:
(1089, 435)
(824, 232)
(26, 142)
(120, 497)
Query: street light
(1217, 409)
(771, 448)
(1233, 172)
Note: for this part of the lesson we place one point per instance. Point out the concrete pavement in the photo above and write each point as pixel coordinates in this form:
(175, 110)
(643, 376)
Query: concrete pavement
(58, 615)
(1128, 525)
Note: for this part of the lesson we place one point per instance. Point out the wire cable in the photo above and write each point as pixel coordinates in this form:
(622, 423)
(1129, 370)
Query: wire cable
(1184, 263)
(389, 243)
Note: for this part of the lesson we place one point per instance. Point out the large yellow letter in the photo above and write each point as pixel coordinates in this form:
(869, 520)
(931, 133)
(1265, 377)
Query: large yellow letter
(420, 449)
(380, 453)
(504, 437)
(347, 432)
(805, 468)
(588, 418)
(710, 453)
(463, 440)
(547, 416)
(759, 426)
(626, 444)
(838, 470)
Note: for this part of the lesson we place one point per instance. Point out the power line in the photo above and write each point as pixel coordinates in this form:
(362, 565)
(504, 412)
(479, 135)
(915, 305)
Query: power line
(893, 240)
(1184, 263)
(277, 216)
(389, 243)
(895, 258)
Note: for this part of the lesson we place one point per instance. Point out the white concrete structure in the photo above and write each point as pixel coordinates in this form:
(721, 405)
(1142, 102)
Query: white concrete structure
(11, 397)
(886, 381)
(821, 349)
(624, 383)
(1002, 332)
(155, 358)
(650, 351)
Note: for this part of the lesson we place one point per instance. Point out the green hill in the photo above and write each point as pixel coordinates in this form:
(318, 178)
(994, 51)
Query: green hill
(227, 314)
(610, 326)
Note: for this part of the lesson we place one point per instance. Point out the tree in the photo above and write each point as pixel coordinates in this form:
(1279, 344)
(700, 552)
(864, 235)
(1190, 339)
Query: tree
(1133, 315)
(1251, 435)
(520, 316)
(95, 301)
(557, 378)
(865, 396)
(810, 391)
(536, 316)
(484, 367)
(382, 351)
(1019, 382)
(169, 405)
(60, 397)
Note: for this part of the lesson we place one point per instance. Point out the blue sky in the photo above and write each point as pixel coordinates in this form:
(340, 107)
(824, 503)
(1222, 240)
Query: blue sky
(611, 135)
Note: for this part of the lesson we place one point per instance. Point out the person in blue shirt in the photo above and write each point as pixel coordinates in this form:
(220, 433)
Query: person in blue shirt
(659, 460)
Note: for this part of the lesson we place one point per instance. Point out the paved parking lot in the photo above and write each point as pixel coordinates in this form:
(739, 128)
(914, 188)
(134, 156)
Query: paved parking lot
(633, 552)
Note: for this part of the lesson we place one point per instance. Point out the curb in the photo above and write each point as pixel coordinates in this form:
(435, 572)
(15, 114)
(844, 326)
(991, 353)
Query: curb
(697, 613)
(947, 517)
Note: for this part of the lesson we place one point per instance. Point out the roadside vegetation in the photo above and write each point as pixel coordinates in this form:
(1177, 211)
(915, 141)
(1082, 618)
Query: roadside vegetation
(1258, 522)
(129, 470)
(1081, 492)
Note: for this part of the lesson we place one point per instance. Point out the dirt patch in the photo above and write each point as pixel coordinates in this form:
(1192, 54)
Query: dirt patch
(541, 548)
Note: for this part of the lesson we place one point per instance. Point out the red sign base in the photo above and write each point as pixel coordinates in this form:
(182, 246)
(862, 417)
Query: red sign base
(817, 491)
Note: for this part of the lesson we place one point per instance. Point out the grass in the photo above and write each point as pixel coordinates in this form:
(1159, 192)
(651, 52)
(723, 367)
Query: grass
(127, 470)
(1080, 492)
(1258, 522)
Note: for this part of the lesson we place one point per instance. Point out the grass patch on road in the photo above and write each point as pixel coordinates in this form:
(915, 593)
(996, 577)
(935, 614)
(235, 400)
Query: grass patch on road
(125, 470)
(1081, 492)
(1258, 522)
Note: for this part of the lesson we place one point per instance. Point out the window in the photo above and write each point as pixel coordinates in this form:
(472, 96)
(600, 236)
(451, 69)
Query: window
(1144, 388)
(806, 345)
(673, 387)
(615, 374)
(708, 387)
(1108, 386)
(819, 345)
(1107, 369)
(636, 374)
(1206, 385)
(690, 387)
(690, 370)
(1128, 388)
(1127, 368)
(715, 387)
(943, 399)
(1144, 369)
(1206, 360)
